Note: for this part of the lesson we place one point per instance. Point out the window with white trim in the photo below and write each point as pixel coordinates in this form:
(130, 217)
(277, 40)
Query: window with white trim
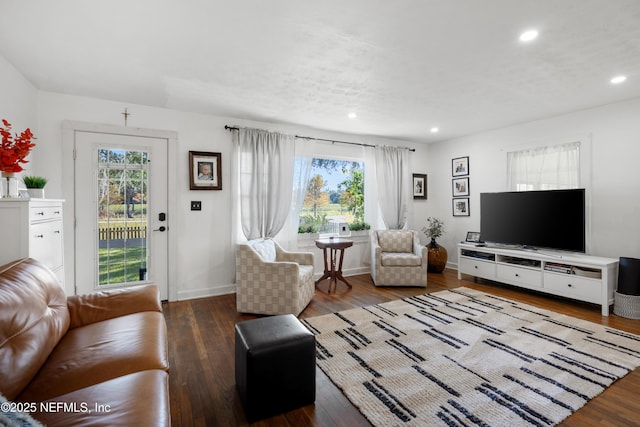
(335, 194)
(544, 168)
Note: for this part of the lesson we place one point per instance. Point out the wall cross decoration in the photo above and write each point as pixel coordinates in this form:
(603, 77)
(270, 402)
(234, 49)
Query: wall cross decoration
(126, 115)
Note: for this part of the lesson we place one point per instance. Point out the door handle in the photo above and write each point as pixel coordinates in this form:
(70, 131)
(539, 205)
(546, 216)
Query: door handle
(162, 228)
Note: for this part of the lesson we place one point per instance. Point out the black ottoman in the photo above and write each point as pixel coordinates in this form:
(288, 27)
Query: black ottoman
(275, 365)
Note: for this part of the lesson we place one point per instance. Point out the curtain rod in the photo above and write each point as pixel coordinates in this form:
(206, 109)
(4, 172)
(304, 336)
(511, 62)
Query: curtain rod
(230, 128)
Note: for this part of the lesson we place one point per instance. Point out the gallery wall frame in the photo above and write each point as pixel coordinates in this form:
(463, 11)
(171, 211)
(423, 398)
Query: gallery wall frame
(460, 187)
(461, 207)
(460, 166)
(205, 170)
(419, 186)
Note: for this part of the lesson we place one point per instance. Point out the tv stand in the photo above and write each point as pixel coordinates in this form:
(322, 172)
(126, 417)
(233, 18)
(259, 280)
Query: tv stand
(577, 276)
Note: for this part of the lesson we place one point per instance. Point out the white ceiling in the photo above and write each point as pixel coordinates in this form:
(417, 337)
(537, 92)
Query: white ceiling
(403, 66)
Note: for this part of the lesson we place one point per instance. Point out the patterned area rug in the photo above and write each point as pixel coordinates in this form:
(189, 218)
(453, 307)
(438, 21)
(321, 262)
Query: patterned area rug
(463, 357)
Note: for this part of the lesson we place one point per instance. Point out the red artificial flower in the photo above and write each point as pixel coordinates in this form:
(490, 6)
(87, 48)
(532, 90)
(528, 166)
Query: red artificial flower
(14, 149)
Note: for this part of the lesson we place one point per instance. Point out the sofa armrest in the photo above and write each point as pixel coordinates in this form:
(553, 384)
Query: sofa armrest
(420, 250)
(304, 258)
(104, 305)
(424, 254)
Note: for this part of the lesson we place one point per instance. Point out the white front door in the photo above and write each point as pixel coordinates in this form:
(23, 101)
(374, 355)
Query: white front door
(120, 211)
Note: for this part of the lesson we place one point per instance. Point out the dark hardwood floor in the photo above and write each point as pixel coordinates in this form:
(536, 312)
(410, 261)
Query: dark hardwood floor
(201, 356)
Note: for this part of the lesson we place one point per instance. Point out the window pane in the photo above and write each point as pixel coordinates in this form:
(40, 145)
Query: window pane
(122, 216)
(335, 194)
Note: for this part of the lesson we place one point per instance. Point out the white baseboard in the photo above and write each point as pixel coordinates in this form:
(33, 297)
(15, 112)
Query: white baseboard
(206, 292)
(231, 288)
(347, 272)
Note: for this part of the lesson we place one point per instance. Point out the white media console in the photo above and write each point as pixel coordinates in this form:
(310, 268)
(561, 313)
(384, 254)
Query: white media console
(581, 277)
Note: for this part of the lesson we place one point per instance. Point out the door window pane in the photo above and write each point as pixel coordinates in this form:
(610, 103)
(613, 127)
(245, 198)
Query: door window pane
(122, 216)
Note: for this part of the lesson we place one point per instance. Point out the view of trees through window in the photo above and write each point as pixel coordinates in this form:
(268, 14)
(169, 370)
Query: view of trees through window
(122, 215)
(335, 193)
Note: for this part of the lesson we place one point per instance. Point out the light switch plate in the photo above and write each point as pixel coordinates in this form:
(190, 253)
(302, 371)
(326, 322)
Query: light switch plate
(196, 205)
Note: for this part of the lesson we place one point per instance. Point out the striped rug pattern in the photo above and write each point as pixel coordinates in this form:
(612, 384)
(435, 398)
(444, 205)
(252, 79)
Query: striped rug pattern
(466, 358)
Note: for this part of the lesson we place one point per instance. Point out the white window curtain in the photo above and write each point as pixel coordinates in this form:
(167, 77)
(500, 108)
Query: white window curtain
(372, 214)
(265, 178)
(544, 168)
(394, 185)
(288, 236)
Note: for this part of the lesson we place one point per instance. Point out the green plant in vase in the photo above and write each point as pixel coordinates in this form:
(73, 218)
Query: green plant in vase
(437, 260)
(35, 185)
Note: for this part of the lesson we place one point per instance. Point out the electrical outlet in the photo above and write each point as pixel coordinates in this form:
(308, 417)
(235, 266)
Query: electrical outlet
(196, 205)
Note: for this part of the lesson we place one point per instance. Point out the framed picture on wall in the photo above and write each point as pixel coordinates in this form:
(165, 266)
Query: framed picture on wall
(461, 207)
(460, 166)
(205, 170)
(419, 186)
(460, 187)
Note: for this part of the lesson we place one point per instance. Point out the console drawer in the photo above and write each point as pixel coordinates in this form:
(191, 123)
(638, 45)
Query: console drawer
(571, 286)
(478, 268)
(520, 276)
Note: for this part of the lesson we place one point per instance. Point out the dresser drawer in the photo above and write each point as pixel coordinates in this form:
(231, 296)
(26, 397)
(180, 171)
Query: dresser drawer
(521, 276)
(45, 243)
(571, 286)
(477, 268)
(45, 213)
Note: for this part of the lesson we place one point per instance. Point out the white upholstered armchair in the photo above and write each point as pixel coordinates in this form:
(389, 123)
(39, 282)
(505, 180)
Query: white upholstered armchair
(271, 280)
(398, 258)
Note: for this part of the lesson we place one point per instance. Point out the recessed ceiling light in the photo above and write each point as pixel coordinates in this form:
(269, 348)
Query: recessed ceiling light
(352, 115)
(618, 79)
(434, 130)
(528, 35)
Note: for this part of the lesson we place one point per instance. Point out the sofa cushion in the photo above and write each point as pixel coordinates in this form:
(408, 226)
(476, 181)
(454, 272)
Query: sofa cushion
(33, 319)
(396, 240)
(400, 259)
(137, 399)
(102, 351)
(104, 305)
(265, 248)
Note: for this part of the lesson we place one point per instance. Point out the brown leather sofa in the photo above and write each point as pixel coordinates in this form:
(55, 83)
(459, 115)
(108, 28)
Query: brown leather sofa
(98, 359)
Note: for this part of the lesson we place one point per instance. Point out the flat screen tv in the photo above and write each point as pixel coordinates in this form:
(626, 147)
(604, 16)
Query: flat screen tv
(553, 219)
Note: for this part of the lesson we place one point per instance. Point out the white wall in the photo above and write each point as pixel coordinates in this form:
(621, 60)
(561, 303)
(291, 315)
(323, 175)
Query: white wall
(610, 137)
(18, 100)
(204, 260)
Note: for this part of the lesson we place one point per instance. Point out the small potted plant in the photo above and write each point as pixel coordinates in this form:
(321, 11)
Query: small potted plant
(35, 186)
(437, 254)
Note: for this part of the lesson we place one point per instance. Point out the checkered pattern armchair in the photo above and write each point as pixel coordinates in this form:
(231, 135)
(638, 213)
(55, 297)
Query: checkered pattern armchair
(398, 258)
(271, 280)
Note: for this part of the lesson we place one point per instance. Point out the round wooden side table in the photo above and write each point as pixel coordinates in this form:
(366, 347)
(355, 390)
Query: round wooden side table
(331, 248)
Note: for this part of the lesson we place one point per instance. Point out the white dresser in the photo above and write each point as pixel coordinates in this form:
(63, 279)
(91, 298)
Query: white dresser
(32, 228)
